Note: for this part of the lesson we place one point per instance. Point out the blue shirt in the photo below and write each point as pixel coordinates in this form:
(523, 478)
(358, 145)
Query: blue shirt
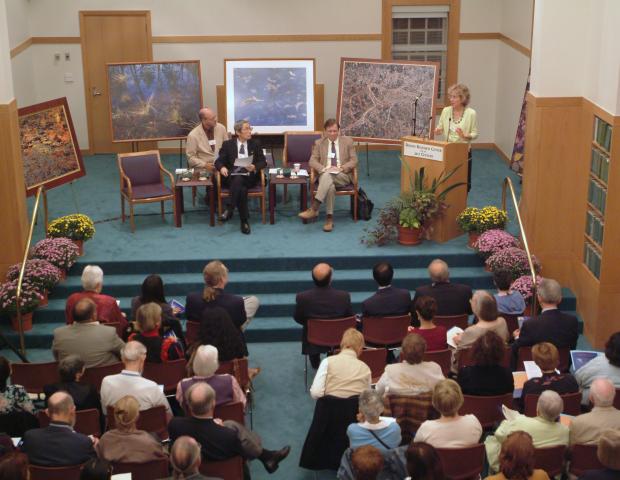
(511, 304)
(360, 435)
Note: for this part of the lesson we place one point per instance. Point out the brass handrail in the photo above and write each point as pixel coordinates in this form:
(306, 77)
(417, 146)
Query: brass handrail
(22, 269)
(508, 184)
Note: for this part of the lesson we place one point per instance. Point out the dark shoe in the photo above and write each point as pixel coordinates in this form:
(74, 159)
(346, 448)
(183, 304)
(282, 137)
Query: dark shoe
(245, 228)
(315, 360)
(227, 215)
(274, 458)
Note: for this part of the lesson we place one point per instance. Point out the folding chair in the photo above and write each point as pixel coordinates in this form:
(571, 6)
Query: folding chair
(231, 469)
(153, 469)
(230, 411)
(550, 459)
(584, 458)
(168, 374)
(71, 472)
(441, 357)
(95, 375)
(450, 321)
(34, 376)
(462, 463)
(386, 332)
(488, 410)
(87, 421)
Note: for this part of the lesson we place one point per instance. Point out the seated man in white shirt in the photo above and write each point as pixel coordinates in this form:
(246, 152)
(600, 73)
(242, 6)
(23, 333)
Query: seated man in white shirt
(131, 382)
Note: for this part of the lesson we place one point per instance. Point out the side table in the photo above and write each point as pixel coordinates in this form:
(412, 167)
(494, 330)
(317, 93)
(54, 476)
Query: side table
(303, 198)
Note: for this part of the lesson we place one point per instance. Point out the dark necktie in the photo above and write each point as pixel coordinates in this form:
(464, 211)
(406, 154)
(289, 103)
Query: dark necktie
(242, 149)
(334, 157)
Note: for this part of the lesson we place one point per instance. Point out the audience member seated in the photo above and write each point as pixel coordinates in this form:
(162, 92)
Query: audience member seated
(85, 396)
(343, 375)
(13, 398)
(389, 301)
(422, 314)
(14, 466)
(152, 290)
(373, 429)
(451, 430)
(510, 302)
(452, 298)
(486, 377)
(411, 376)
(204, 364)
(321, 301)
(607, 366)
(131, 382)
(240, 309)
(158, 349)
(423, 462)
(220, 440)
(485, 310)
(96, 469)
(546, 356)
(185, 460)
(587, 428)
(516, 459)
(545, 429)
(125, 443)
(217, 329)
(366, 462)
(551, 325)
(608, 453)
(58, 444)
(107, 306)
(97, 345)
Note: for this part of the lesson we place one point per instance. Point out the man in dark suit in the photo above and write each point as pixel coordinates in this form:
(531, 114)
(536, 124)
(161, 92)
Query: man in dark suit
(452, 298)
(220, 440)
(389, 300)
(322, 301)
(551, 325)
(239, 179)
(58, 444)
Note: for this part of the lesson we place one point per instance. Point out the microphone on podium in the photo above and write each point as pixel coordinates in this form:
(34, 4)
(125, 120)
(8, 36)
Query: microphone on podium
(448, 132)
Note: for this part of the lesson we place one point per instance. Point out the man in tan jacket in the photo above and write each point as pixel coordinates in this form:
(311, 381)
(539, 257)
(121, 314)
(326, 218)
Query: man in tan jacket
(205, 140)
(587, 428)
(334, 158)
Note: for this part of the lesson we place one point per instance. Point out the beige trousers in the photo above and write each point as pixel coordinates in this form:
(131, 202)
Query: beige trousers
(326, 192)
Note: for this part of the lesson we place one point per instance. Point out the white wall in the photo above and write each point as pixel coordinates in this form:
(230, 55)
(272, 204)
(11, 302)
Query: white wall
(19, 26)
(6, 80)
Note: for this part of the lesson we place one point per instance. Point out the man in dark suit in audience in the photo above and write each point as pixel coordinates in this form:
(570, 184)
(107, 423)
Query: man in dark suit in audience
(452, 298)
(238, 179)
(551, 325)
(389, 300)
(220, 440)
(322, 301)
(58, 444)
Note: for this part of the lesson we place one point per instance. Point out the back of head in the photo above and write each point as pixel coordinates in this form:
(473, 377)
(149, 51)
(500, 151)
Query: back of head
(148, 317)
(447, 397)
(516, 458)
(370, 404)
(152, 290)
(484, 306)
(612, 349)
(322, 274)
(383, 274)
(200, 399)
(602, 392)
(85, 310)
(185, 457)
(549, 291)
(132, 352)
(205, 361)
(438, 271)
(549, 405)
(14, 466)
(92, 277)
(423, 462)
(608, 451)
(488, 349)
(214, 273)
(367, 461)
(5, 373)
(60, 405)
(126, 413)
(413, 348)
(546, 356)
(502, 279)
(96, 469)
(426, 307)
(69, 367)
(353, 339)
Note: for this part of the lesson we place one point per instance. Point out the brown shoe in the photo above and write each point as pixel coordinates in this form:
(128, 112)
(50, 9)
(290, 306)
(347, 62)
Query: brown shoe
(329, 224)
(309, 214)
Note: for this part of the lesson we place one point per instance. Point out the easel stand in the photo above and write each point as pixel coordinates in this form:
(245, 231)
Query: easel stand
(180, 153)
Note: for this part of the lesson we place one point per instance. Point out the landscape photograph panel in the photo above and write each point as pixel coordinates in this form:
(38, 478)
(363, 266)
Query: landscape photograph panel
(376, 99)
(154, 101)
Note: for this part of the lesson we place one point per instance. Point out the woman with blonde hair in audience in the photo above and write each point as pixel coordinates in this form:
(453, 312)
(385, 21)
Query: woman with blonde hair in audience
(125, 443)
(373, 429)
(158, 348)
(412, 376)
(516, 459)
(451, 430)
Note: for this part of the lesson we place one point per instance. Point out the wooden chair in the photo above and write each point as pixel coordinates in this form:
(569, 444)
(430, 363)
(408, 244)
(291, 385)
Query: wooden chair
(34, 376)
(441, 357)
(326, 333)
(462, 463)
(191, 332)
(71, 472)
(142, 181)
(385, 331)
(231, 469)
(375, 358)
(488, 410)
(167, 374)
(525, 354)
(95, 375)
(258, 191)
(450, 321)
(151, 420)
(583, 458)
(350, 190)
(87, 421)
(298, 149)
(143, 471)
(572, 404)
(550, 459)
(230, 411)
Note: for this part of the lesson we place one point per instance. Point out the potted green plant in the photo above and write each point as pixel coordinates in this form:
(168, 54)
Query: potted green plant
(475, 221)
(29, 301)
(77, 227)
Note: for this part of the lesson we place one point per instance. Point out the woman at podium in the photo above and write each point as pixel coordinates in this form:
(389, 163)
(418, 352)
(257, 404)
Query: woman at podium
(458, 121)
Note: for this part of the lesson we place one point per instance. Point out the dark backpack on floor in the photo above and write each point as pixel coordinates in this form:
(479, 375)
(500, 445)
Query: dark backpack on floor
(364, 205)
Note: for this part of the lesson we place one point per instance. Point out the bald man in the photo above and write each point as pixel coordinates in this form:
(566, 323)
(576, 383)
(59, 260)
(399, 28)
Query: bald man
(205, 140)
(58, 444)
(587, 428)
(452, 298)
(185, 459)
(322, 301)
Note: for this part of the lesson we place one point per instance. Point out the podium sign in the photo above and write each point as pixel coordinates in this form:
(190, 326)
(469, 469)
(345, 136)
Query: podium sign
(423, 150)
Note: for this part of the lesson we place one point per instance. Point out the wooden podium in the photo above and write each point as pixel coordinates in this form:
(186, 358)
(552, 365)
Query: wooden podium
(437, 157)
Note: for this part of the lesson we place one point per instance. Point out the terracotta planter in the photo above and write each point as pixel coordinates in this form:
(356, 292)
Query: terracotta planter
(44, 301)
(473, 238)
(26, 322)
(409, 236)
(80, 245)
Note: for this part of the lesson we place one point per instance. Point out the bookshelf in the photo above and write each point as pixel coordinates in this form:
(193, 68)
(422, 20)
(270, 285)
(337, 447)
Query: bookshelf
(600, 150)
